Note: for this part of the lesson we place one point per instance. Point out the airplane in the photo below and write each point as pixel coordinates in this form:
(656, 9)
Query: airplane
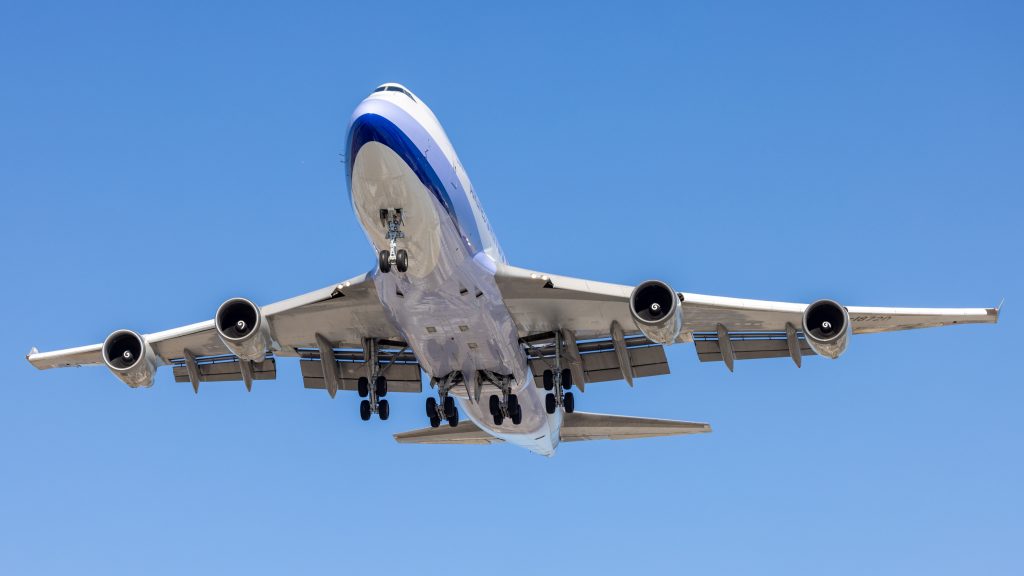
(509, 343)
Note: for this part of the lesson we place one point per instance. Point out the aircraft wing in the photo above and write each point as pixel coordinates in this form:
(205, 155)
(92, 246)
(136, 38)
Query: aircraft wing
(342, 314)
(590, 312)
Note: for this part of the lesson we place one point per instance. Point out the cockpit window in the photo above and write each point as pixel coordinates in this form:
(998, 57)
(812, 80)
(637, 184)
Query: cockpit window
(392, 88)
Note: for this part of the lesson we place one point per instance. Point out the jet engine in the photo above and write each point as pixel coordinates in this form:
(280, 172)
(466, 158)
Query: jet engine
(243, 329)
(655, 308)
(826, 327)
(130, 358)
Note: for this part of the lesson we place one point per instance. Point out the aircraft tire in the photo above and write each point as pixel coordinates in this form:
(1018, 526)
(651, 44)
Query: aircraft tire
(402, 260)
(549, 380)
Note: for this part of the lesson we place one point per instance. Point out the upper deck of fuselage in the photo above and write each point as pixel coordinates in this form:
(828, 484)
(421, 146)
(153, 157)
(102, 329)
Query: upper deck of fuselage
(392, 115)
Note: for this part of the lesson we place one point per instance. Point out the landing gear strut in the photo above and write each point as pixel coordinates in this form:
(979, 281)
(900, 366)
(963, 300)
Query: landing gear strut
(558, 382)
(506, 406)
(393, 256)
(443, 407)
(373, 396)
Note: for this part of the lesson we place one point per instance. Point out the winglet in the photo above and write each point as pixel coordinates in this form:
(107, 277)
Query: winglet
(999, 308)
(34, 350)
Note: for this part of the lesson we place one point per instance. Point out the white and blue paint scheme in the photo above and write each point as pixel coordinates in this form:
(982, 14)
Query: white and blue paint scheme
(398, 156)
(442, 300)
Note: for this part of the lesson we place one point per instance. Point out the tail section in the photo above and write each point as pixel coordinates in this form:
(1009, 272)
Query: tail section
(576, 427)
(586, 426)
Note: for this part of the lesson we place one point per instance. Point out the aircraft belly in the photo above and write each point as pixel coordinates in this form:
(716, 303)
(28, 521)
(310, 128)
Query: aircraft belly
(447, 305)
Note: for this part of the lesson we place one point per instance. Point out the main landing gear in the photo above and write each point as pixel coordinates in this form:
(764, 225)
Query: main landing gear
(443, 407)
(374, 402)
(399, 258)
(506, 406)
(558, 382)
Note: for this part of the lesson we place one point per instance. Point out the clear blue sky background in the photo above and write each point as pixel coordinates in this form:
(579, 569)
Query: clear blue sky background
(156, 160)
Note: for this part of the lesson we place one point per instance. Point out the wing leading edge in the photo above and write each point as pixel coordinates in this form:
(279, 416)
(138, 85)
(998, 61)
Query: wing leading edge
(344, 314)
(543, 303)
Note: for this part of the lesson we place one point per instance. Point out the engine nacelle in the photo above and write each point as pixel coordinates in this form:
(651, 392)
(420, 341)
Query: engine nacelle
(130, 358)
(655, 308)
(826, 326)
(243, 329)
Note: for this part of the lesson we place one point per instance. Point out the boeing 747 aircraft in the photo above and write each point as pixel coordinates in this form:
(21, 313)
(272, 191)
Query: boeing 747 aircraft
(509, 343)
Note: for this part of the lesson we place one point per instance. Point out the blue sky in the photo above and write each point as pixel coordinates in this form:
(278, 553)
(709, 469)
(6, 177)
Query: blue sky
(870, 153)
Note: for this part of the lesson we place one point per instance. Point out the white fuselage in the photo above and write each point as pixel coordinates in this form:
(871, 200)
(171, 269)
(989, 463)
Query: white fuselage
(447, 305)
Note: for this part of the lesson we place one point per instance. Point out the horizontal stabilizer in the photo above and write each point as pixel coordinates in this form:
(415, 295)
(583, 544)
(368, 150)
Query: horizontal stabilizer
(465, 433)
(586, 426)
(576, 427)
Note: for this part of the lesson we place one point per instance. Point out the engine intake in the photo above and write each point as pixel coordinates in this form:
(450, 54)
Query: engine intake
(826, 326)
(655, 309)
(130, 358)
(243, 329)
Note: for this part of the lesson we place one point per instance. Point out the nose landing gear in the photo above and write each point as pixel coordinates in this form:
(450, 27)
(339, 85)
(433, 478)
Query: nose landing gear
(443, 407)
(393, 256)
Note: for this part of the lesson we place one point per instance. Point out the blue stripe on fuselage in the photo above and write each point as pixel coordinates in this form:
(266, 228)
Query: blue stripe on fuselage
(377, 128)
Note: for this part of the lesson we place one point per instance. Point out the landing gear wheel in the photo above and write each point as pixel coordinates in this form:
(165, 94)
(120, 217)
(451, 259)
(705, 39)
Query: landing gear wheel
(364, 410)
(549, 403)
(569, 403)
(435, 422)
(384, 261)
(381, 386)
(432, 409)
(517, 416)
(495, 405)
(383, 410)
(453, 420)
(402, 260)
(566, 378)
(512, 405)
(449, 407)
(549, 380)
(363, 387)
(498, 418)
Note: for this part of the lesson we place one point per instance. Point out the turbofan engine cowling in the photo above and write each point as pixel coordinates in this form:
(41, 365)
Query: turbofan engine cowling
(826, 326)
(655, 309)
(243, 329)
(129, 357)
